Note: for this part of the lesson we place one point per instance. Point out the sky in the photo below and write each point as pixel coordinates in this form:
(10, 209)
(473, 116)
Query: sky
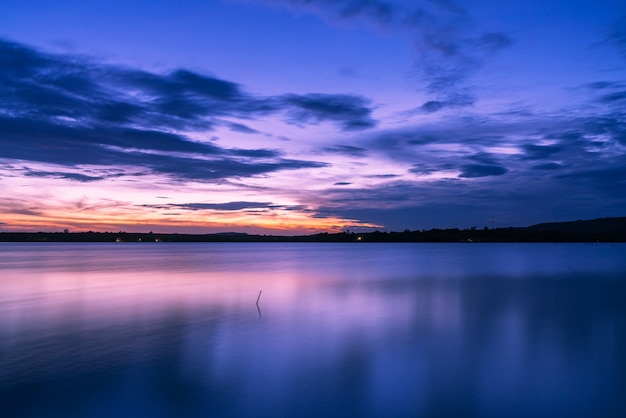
(303, 116)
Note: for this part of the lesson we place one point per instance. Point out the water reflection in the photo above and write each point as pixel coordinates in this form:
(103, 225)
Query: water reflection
(387, 330)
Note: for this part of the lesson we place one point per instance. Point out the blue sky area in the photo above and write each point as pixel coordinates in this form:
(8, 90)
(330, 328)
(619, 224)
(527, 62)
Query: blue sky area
(301, 116)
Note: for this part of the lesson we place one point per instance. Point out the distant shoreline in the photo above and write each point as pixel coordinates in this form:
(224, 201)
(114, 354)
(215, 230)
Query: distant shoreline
(595, 230)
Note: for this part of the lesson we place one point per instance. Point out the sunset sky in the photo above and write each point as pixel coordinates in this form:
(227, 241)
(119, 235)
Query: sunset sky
(303, 116)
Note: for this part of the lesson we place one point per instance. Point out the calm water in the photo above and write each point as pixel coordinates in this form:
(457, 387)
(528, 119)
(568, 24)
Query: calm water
(380, 330)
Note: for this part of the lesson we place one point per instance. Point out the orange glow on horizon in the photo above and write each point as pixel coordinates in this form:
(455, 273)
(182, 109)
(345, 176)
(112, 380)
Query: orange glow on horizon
(159, 204)
(255, 222)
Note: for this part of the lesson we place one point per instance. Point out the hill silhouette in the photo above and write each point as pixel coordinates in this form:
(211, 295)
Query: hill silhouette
(595, 230)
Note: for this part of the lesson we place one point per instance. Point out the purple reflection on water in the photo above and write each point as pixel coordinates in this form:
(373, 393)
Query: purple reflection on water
(160, 330)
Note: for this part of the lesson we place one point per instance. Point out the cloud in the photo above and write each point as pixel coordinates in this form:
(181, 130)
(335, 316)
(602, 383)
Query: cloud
(349, 112)
(432, 106)
(238, 127)
(618, 96)
(189, 168)
(540, 152)
(546, 166)
(609, 93)
(603, 85)
(161, 153)
(229, 206)
(83, 178)
(182, 82)
(74, 88)
(46, 141)
(382, 176)
(448, 48)
(611, 126)
(72, 110)
(422, 169)
(349, 150)
(452, 101)
(481, 170)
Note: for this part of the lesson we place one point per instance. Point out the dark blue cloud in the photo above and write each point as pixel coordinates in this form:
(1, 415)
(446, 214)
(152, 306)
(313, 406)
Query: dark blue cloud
(349, 150)
(382, 176)
(611, 126)
(453, 131)
(46, 85)
(424, 169)
(603, 85)
(609, 177)
(190, 168)
(20, 62)
(452, 101)
(183, 81)
(83, 178)
(547, 166)
(45, 141)
(481, 170)
(157, 152)
(178, 84)
(70, 110)
(540, 152)
(254, 153)
(239, 127)
(349, 112)
(484, 158)
(610, 95)
(618, 96)
(432, 106)
(229, 206)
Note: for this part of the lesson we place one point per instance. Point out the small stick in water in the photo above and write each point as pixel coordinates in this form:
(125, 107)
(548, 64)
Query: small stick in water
(257, 299)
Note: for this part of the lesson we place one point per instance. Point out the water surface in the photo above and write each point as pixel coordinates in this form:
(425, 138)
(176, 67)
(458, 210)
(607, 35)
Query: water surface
(372, 330)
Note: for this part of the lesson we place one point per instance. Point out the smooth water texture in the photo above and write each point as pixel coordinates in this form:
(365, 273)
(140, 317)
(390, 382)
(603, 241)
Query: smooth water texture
(368, 330)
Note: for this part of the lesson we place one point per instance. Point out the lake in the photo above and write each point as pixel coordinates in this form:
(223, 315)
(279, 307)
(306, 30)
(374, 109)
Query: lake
(359, 329)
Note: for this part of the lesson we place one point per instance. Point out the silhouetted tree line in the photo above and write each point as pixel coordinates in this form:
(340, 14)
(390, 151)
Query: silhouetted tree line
(596, 230)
